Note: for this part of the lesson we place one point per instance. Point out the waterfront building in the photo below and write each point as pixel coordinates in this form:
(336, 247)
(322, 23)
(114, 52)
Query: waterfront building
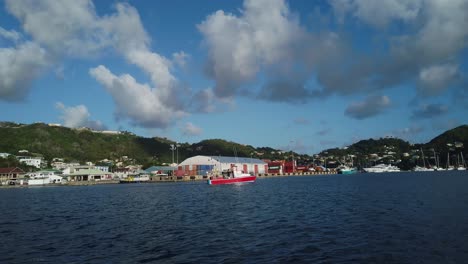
(161, 170)
(88, 175)
(202, 165)
(9, 175)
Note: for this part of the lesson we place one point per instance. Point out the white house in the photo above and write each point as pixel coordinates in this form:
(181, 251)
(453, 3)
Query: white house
(102, 168)
(200, 165)
(4, 155)
(31, 161)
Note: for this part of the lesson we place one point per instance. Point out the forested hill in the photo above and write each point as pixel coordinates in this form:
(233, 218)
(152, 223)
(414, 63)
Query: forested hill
(404, 154)
(86, 145)
(454, 138)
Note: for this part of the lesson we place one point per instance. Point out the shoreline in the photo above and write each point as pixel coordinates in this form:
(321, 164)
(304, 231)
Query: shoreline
(161, 179)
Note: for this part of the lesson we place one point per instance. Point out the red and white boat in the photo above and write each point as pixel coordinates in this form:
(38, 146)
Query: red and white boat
(230, 177)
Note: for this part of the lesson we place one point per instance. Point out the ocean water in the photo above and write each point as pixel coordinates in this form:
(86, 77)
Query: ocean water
(362, 218)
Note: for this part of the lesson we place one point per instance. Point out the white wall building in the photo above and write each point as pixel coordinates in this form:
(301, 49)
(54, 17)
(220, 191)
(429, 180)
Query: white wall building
(4, 155)
(31, 161)
(102, 168)
(202, 164)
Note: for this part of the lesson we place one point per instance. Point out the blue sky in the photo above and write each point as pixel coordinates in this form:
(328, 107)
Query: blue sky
(294, 75)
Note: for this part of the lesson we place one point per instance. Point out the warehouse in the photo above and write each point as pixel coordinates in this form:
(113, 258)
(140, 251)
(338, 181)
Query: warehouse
(201, 165)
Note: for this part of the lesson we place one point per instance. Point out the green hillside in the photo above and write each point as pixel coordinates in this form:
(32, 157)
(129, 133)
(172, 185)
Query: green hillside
(84, 145)
(396, 151)
(451, 139)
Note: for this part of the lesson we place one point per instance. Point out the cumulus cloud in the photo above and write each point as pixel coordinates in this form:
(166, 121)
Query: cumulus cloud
(60, 26)
(264, 35)
(77, 116)
(190, 129)
(11, 35)
(378, 13)
(435, 79)
(430, 111)
(266, 46)
(140, 103)
(371, 106)
(19, 66)
(74, 29)
(427, 48)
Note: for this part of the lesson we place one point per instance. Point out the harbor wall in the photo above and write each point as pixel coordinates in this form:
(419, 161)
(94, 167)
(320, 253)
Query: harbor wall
(156, 179)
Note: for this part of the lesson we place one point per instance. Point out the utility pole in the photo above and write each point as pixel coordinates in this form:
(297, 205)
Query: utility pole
(177, 150)
(292, 153)
(173, 147)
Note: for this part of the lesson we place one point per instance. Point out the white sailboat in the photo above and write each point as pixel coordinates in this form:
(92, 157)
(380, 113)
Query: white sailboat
(461, 166)
(448, 162)
(423, 168)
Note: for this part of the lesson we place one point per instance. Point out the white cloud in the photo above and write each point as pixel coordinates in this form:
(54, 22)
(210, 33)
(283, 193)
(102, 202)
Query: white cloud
(239, 46)
(74, 29)
(180, 58)
(191, 130)
(11, 35)
(140, 103)
(378, 13)
(434, 34)
(435, 79)
(430, 111)
(60, 26)
(77, 116)
(19, 66)
(371, 106)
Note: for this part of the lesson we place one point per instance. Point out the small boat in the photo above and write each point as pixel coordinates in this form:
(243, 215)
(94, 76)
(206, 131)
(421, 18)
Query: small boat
(230, 177)
(136, 179)
(382, 168)
(417, 168)
(44, 178)
(343, 169)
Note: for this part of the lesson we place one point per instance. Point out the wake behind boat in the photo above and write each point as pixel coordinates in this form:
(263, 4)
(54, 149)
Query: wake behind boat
(231, 176)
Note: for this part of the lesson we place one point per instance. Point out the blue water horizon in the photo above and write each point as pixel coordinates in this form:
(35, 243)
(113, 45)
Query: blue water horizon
(403, 217)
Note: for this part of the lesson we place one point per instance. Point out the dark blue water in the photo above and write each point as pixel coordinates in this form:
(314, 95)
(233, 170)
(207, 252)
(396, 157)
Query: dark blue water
(366, 218)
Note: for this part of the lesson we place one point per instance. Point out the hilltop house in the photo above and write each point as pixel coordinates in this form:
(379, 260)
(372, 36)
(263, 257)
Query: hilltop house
(31, 161)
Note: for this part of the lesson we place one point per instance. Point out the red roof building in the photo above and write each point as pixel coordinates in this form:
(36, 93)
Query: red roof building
(9, 174)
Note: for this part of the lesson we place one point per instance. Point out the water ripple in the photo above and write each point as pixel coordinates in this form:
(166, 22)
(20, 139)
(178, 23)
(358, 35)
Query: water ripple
(388, 218)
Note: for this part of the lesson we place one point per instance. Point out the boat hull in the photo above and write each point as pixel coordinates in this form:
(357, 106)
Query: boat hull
(347, 172)
(133, 181)
(218, 181)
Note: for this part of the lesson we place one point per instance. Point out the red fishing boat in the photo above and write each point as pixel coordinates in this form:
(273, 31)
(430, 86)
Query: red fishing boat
(230, 177)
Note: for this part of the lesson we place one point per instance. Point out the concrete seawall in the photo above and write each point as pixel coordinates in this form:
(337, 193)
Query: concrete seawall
(204, 178)
(156, 179)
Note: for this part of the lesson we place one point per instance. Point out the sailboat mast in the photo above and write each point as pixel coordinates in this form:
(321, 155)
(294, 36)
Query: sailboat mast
(424, 163)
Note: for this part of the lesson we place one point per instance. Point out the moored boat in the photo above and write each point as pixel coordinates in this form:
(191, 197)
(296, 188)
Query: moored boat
(382, 168)
(417, 168)
(137, 179)
(44, 178)
(346, 170)
(231, 176)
